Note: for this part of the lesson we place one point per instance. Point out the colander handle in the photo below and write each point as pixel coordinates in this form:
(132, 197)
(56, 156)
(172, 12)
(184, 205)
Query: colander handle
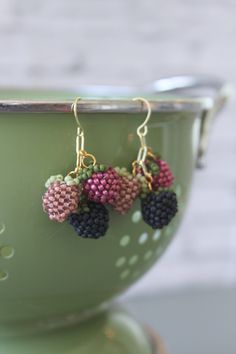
(198, 86)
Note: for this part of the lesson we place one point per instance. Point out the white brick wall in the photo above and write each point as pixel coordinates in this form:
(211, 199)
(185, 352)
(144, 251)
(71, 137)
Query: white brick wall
(66, 43)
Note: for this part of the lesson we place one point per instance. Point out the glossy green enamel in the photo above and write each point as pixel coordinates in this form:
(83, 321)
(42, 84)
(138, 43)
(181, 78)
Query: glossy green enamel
(111, 332)
(52, 273)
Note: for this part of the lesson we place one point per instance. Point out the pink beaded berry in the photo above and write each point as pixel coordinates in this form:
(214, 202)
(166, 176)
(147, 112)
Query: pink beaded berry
(164, 178)
(130, 189)
(103, 187)
(60, 200)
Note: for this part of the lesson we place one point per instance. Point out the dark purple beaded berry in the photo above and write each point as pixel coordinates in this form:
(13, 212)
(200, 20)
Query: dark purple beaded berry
(159, 209)
(92, 223)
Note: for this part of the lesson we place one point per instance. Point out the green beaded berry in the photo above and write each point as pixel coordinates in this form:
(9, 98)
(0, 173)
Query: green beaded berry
(152, 167)
(123, 172)
(53, 179)
(70, 181)
(86, 173)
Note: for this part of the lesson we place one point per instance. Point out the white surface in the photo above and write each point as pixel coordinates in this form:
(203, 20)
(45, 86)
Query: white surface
(66, 43)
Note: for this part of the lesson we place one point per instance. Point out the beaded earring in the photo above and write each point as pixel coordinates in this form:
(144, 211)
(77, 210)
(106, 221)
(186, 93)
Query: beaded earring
(79, 197)
(158, 202)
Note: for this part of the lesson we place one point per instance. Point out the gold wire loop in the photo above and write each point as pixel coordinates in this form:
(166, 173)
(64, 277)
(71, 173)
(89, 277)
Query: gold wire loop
(149, 180)
(143, 141)
(143, 168)
(79, 145)
(74, 108)
(91, 159)
(142, 154)
(73, 173)
(142, 130)
(81, 153)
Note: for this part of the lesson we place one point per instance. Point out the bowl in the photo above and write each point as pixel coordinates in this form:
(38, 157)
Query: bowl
(49, 277)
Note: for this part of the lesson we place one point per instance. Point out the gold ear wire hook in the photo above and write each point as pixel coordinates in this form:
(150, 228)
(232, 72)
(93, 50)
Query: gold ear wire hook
(74, 108)
(142, 131)
(80, 133)
(80, 130)
(80, 151)
(144, 124)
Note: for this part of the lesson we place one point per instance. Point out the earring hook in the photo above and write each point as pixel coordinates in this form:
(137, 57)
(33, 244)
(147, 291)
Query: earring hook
(143, 126)
(74, 108)
(80, 131)
(142, 131)
(81, 154)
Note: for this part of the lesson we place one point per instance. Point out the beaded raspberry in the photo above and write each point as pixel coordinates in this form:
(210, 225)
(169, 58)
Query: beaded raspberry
(164, 178)
(103, 187)
(130, 189)
(60, 200)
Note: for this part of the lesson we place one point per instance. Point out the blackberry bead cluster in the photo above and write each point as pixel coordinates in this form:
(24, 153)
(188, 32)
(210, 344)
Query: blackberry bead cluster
(158, 203)
(158, 209)
(92, 222)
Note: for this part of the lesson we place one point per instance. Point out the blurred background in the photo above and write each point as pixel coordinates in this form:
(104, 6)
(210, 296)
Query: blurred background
(65, 44)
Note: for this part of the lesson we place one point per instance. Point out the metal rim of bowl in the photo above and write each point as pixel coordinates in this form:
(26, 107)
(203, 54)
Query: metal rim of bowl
(106, 105)
(170, 85)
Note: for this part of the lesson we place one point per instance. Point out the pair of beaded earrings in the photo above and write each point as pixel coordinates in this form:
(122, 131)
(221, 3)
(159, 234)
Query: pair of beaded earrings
(83, 195)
